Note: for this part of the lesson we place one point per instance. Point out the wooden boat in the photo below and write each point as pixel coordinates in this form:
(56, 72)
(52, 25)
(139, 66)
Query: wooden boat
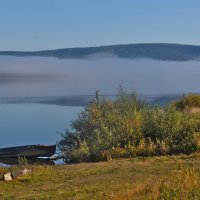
(33, 151)
(30, 160)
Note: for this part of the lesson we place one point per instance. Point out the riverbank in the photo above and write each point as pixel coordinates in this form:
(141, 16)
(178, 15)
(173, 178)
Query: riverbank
(134, 178)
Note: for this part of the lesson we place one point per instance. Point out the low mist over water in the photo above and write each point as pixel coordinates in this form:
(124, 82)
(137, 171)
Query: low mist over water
(43, 76)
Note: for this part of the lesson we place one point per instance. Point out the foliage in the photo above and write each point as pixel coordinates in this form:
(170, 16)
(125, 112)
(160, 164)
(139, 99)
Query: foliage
(175, 130)
(189, 101)
(127, 127)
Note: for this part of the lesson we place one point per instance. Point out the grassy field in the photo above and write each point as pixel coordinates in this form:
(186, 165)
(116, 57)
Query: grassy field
(167, 177)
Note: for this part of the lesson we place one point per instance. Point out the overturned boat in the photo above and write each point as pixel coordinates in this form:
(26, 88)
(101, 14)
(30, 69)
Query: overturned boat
(32, 151)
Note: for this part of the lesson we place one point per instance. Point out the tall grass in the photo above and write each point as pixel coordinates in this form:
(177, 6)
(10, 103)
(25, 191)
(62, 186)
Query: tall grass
(163, 177)
(177, 185)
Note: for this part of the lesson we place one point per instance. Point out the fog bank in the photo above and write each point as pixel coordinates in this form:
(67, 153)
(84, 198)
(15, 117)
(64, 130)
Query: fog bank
(43, 77)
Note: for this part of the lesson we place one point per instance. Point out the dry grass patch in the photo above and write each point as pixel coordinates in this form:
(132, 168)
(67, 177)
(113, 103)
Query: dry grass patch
(135, 178)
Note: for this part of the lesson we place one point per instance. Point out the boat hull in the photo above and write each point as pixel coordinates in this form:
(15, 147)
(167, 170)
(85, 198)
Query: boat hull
(28, 151)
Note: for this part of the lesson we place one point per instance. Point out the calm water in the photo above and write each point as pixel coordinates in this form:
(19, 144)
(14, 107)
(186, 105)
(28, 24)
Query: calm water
(23, 123)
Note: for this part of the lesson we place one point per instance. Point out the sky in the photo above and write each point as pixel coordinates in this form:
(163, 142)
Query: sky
(52, 24)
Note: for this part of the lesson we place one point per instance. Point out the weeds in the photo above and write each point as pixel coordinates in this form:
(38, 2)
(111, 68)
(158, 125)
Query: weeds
(153, 178)
(180, 184)
(23, 162)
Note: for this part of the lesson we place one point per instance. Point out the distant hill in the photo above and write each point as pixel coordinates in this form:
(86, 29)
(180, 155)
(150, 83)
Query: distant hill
(158, 51)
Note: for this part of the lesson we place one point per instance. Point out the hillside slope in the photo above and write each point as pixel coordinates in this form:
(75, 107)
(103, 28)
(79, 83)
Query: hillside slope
(158, 51)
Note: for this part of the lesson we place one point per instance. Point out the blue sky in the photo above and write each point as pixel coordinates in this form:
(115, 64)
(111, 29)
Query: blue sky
(52, 24)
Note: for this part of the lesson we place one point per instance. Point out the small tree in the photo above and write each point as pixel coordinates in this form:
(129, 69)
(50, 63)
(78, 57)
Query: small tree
(106, 124)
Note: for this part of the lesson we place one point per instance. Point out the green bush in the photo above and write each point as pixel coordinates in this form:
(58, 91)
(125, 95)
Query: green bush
(190, 101)
(73, 149)
(127, 127)
(104, 125)
(173, 128)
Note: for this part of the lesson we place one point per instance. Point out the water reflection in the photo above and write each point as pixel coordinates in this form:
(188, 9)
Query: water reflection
(24, 124)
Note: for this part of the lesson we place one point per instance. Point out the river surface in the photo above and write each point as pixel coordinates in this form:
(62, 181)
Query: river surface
(23, 124)
(26, 84)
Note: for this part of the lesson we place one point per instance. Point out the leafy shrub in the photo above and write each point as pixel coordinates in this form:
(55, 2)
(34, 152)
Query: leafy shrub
(105, 125)
(189, 101)
(176, 130)
(127, 127)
